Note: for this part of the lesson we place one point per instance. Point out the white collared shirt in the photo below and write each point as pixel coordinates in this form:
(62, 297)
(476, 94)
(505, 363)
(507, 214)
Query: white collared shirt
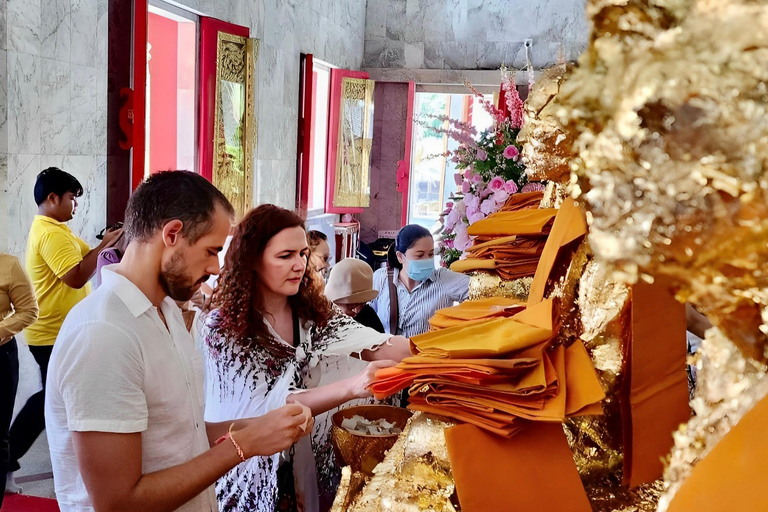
(116, 368)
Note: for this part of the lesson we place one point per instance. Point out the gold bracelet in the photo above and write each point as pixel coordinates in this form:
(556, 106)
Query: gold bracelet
(237, 446)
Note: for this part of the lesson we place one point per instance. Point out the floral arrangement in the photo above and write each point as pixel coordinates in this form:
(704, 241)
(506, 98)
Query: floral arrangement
(490, 169)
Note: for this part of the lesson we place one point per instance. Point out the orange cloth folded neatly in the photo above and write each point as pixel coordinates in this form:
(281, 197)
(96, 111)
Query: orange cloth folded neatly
(532, 471)
(523, 200)
(521, 222)
(473, 310)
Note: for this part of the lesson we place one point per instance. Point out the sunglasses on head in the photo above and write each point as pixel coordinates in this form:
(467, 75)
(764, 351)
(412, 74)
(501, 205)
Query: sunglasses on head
(101, 234)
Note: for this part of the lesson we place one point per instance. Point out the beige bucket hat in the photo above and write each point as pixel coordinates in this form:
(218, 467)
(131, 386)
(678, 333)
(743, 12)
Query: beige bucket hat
(350, 282)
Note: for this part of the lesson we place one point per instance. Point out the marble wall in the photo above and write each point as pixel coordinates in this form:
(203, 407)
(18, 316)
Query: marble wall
(331, 30)
(472, 34)
(53, 86)
(53, 57)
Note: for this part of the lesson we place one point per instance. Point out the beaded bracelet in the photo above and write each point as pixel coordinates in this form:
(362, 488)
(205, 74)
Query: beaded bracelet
(237, 446)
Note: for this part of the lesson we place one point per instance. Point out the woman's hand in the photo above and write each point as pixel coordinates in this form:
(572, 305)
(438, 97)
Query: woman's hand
(361, 384)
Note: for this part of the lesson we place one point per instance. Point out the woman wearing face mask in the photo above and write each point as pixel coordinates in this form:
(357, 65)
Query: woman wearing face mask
(418, 288)
(273, 338)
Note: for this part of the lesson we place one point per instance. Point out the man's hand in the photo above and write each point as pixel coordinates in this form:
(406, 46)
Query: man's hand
(274, 432)
(111, 238)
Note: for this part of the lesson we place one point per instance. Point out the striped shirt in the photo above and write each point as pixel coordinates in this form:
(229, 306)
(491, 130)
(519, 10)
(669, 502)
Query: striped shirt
(415, 308)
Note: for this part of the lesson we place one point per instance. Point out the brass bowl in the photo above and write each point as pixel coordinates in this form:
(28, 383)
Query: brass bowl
(363, 452)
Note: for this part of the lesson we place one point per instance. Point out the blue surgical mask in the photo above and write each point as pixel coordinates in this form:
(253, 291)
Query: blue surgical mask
(419, 270)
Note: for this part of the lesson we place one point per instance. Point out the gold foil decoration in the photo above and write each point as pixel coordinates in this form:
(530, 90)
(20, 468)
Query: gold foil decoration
(234, 123)
(353, 158)
(668, 110)
(547, 147)
(415, 475)
(483, 284)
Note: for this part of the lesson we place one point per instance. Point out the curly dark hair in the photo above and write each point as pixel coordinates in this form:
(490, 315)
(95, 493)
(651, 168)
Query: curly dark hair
(237, 297)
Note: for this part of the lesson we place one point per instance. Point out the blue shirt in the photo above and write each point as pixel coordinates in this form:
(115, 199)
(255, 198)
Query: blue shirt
(415, 308)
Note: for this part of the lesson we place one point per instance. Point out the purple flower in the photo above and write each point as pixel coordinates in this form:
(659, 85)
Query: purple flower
(476, 178)
(476, 217)
(449, 205)
(488, 207)
(472, 201)
(458, 178)
(462, 241)
(533, 187)
(500, 197)
(510, 152)
(481, 155)
(510, 187)
(465, 187)
(496, 184)
(449, 243)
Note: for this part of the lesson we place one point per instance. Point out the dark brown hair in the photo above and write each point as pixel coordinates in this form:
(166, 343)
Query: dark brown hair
(170, 195)
(237, 297)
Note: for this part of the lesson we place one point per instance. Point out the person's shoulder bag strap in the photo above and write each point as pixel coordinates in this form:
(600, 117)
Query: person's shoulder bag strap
(393, 306)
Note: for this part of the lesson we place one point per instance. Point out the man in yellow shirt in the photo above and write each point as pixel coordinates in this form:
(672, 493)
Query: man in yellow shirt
(59, 264)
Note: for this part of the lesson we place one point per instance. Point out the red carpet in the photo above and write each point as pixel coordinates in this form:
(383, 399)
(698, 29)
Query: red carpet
(21, 503)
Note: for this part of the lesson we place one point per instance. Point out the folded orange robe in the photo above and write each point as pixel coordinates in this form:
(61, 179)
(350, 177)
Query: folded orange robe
(731, 476)
(523, 200)
(492, 338)
(568, 230)
(530, 472)
(656, 400)
(521, 222)
(471, 310)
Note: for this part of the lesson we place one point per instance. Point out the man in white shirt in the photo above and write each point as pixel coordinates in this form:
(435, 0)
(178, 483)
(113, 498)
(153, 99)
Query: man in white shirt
(124, 402)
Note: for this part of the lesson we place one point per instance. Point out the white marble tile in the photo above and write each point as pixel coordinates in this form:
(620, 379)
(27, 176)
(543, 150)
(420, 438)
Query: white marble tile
(307, 30)
(3, 101)
(91, 209)
(24, 26)
(4, 202)
(376, 19)
(256, 16)
(279, 25)
(84, 31)
(84, 88)
(102, 39)
(55, 132)
(22, 171)
(3, 25)
(56, 30)
(414, 55)
(23, 103)
(232, 11)
(84, 125)
(55, 80)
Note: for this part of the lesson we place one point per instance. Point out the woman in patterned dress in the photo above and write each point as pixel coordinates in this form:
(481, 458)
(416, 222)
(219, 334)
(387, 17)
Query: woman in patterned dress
(274, 338)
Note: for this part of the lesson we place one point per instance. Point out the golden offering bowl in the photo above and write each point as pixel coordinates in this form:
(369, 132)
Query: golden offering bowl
(363, 452)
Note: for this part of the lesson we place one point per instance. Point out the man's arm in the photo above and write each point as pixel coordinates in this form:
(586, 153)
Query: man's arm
(80, 274)
(111, 463)
(396, 348)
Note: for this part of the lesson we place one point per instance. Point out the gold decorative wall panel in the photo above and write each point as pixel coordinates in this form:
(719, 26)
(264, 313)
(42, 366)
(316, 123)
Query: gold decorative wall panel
(353, 158)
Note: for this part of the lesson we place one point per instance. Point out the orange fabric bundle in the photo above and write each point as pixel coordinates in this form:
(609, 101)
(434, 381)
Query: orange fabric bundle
(511, 257)
(523, 200)
(530, 472)
(535, 222)
(655, 402)
(473, 310)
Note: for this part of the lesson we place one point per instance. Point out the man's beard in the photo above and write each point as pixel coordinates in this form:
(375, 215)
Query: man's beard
(176, 281)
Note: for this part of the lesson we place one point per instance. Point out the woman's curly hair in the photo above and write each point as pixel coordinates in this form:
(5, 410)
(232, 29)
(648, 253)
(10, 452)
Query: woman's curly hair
(237, 297)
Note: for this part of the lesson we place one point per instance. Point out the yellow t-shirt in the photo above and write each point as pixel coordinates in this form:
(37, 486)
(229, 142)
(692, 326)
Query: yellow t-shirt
(52, 251)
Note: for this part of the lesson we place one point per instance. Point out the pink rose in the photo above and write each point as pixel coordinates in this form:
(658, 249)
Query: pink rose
(533, 187)
(476, 217)
(488, 207)
(496, 184)
(449, 243)
(458, 178)
(465, 187)
(476, 178)
(510, 152)
(449, 205)
(510, 187)
(481, 155)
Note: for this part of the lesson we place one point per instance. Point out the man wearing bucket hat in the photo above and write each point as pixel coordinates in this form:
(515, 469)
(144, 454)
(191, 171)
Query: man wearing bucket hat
(350, 287)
